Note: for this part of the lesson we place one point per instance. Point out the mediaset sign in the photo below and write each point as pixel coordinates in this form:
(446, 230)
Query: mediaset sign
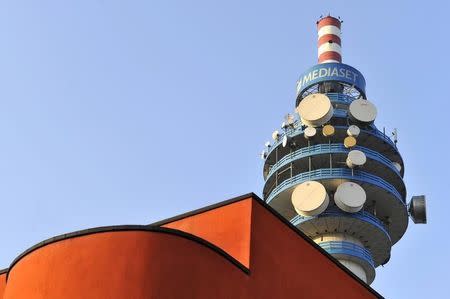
(331, 72)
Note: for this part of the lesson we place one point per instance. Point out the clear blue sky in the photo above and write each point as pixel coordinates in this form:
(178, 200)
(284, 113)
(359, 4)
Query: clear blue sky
(128, 112)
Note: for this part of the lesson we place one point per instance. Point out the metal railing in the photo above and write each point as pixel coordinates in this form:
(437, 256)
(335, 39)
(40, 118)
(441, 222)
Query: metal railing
(334, 173)
(329, 149)
(347, 248)
(297, 130)
(340, 98)
(335, 212)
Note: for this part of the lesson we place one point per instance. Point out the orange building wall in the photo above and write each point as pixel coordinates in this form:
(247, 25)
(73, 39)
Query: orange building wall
(118, 265)
(227, 228)
(160, 262)
(2, 283)
(284, 263)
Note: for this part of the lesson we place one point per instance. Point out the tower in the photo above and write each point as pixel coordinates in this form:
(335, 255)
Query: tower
(331, 172)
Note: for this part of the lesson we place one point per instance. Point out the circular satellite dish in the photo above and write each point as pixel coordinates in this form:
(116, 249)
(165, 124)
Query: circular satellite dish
(263, 155)
(315, 110)
(350, 197)
(362, 111)
(310, 132)
(275, 135)
(267, 144)
(353, 131)
(285, 140)
(310, 198)
(417, 209)
(349, 142)
(328, 130)
(397, 166)
(356, 158)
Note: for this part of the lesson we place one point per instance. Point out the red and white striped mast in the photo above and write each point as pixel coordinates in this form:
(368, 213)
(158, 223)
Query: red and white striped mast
(329, 40)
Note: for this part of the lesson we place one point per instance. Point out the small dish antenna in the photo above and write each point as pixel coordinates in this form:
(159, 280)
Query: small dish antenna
(353, 131)
(263, 155)
(328, 131)
(356, 158)
(267, 144)
(417, 209)
(275, 135)
(349, 142)
(309, 132)
(289, 119)
(397, 166)
(395, 135)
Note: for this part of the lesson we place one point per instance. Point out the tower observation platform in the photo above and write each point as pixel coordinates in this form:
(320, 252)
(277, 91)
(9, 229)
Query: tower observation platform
(332, 173)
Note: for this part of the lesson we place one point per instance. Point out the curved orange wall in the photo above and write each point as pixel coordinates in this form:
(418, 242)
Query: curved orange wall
(2, 283)
(126, 264)
(152, 262)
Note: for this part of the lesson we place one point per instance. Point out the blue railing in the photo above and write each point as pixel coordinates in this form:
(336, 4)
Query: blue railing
(335, 173)
(334, 212)
(347, 248)
(297, 130)
(329, 149)
(340, 98)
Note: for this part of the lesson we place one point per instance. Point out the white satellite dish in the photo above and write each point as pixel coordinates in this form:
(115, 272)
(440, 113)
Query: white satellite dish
(315, 110)
(397, 166)
(284, 125)
(395, 136)
(289, 119)
(286, 140)
(275, 135)
(309, 132)
(267, 144)
(310, 198)
(355, 158)
(362, 111)
(263, 155)
(353, 131)
(350, 197)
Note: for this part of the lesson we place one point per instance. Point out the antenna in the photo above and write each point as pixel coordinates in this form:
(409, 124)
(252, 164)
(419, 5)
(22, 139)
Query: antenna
(417, 209)
(289, 120)
(275, 135)
(395, 135)
(263, 155)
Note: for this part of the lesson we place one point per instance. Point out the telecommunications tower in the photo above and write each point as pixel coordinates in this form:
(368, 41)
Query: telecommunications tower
(331, 172)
